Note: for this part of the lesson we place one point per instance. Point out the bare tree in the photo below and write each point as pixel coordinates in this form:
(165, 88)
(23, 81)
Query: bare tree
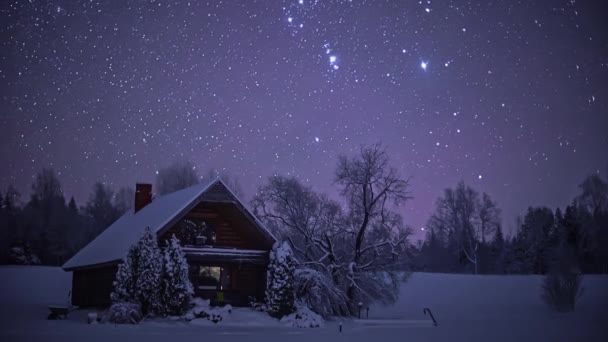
(594, 194)
(462, 214)
(178, 175)
(489, 217)
(307, 219)
(369, 185)
(358, 245)
(124, 199)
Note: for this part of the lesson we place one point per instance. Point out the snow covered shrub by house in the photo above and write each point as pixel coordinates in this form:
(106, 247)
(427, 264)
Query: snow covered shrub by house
(280, 281)
(138, 277)
(176, 289)
(123, 313)
(303, 317)
(202, 309)
(318, 292)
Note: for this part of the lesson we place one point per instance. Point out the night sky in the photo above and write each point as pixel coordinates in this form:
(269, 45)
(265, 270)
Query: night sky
(509, 96)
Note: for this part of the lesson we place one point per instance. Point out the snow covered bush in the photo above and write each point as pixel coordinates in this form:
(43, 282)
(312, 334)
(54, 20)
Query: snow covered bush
(303, 317)
(202, 309)
(23, 255)
(176, 289)
(280, 294)
(317, 291)
(123, 313)
(138, 276)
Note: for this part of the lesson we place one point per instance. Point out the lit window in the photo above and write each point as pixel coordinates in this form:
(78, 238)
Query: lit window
(213, 278)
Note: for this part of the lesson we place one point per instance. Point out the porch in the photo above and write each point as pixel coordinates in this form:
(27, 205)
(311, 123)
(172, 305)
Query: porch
(227, 275)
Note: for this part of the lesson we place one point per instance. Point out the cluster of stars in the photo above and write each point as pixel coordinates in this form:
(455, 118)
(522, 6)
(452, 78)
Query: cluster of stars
(455, 90)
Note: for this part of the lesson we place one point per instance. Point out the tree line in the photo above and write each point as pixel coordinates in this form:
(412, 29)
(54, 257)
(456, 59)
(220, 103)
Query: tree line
(48, 229)
(346, 239)
(464, 235)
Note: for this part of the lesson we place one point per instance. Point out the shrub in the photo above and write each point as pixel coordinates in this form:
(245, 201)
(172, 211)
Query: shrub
(202, 309)
(317, 291)
(303, 317)
(123, 313)
(561, 290)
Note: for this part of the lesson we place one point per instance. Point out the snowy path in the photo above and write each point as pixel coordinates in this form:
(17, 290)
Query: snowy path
(468, 308)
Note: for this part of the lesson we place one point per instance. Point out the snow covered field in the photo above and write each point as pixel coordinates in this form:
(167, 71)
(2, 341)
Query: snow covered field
(468, 308)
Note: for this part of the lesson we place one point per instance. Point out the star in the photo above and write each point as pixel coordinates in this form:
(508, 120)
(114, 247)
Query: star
(332, 59)
(316, 139)
(289, 19)
(423, 65)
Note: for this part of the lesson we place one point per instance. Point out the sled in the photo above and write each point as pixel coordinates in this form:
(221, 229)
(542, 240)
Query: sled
(60, 312)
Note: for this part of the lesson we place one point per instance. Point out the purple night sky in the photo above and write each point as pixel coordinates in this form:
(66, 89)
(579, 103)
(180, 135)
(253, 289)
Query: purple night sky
(509, 96)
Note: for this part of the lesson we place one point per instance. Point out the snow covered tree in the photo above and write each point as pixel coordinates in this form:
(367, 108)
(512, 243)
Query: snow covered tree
(280, 291)
(319, 293)
(124, 285)
(176, 289)
(138, 277)
(147, 284)
(370, 185)
(361, 247)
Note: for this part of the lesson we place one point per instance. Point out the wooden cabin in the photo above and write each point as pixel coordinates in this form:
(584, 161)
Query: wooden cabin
(227, 248)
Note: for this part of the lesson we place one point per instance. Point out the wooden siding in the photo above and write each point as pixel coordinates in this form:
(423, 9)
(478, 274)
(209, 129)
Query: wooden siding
(92, 287)
(231, 228)
(246, 282)
(218, 192)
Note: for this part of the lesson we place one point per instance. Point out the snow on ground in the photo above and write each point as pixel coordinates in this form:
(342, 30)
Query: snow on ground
(468, 308)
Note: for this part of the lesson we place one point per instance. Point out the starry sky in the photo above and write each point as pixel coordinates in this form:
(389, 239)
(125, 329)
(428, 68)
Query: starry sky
(509, 96)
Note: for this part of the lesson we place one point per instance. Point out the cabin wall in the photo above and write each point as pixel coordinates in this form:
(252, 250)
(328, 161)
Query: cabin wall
(92, 287)
(246, 281)
(218, 192)
(231, 231)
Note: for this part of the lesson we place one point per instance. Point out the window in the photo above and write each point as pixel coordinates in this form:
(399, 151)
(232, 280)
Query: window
(213, 278)
(208, 277)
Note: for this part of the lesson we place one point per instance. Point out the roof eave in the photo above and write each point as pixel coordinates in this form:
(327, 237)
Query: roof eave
(92, 266)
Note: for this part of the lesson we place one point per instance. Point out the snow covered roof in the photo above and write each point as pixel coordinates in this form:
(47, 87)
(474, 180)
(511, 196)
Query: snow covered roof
(113, 244)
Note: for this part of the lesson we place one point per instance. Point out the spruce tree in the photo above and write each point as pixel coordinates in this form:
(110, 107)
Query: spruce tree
(124, 285)
(176, 289)
(138, 277)
(280, 296)
(147, 284)
(497, 252)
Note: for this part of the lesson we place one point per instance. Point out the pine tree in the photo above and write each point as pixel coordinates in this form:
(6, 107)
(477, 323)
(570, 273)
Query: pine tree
(138, 277)
(124, 285)
(497, 252)
(147, 284)
(176, 289)
(280, 295)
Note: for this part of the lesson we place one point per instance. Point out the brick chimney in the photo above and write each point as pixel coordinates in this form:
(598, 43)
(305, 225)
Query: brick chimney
(143, 195)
